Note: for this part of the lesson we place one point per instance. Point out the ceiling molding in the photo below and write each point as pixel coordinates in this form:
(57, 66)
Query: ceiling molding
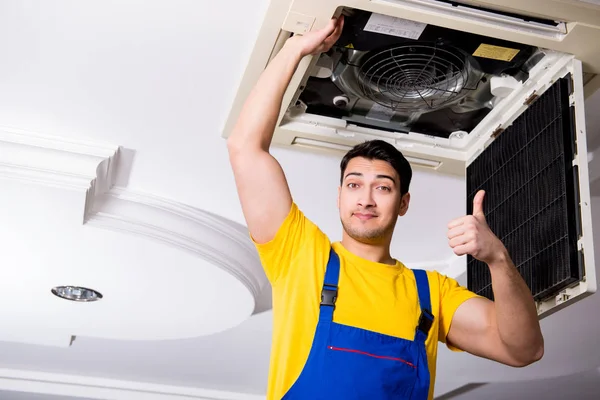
(217, 240)
(92, 167)
(460, 391)
(456, 266)
(107, 389)
(57, 162)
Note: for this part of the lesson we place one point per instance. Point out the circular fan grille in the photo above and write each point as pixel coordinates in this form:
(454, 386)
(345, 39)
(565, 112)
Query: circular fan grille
(414, 77)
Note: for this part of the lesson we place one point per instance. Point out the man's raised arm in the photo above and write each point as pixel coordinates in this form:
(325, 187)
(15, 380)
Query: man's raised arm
(261, 184)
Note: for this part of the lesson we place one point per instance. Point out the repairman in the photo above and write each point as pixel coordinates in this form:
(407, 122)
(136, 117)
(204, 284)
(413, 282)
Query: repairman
(350, 321)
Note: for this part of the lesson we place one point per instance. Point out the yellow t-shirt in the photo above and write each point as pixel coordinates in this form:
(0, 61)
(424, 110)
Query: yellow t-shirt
(373, 296)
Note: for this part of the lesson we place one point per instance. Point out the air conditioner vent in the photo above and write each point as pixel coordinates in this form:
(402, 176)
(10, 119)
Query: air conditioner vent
(415, 76)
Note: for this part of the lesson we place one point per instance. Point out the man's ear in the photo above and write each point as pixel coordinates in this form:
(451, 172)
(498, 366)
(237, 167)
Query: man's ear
(338, 199)
(404, 202)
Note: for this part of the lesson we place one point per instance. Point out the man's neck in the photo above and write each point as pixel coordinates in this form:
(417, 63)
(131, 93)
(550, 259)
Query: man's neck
(379, 253)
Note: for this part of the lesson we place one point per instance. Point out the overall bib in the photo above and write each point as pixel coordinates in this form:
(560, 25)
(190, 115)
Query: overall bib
(352, 363)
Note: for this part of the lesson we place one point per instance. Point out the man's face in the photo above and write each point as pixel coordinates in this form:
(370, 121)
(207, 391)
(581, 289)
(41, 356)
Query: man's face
(369, 200)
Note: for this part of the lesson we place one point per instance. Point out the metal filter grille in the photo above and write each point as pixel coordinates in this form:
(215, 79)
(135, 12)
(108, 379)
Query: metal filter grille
(531, 200)
(414, 77)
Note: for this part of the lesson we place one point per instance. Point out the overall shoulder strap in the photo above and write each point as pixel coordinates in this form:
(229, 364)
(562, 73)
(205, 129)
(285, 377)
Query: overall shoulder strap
(330, 287)
(426, 319)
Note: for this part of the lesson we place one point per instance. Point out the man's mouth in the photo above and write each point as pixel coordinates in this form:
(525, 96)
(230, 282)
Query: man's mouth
(364, 217)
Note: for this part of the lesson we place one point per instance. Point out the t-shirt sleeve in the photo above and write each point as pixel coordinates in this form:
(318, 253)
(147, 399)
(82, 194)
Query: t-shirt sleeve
(452, 295)
(277, 254)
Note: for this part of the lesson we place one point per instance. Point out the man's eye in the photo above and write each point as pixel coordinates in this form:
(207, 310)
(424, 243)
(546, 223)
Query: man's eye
(352, 185)
(385, 188)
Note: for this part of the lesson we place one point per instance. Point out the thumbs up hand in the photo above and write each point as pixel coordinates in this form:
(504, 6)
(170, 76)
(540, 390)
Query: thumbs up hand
(472, 235)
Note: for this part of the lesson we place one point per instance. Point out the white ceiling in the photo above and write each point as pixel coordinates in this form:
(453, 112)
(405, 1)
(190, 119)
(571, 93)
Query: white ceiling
(582, 386)
(6, 395)
(157, 78)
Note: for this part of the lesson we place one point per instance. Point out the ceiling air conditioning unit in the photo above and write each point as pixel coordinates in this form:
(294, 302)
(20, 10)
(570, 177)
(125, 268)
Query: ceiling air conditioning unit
(490, 90)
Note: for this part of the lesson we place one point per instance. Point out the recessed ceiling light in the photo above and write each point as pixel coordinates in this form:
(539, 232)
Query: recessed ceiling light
(76, 293)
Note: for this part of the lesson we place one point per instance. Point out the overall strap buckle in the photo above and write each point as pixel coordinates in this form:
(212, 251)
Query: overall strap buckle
(329, 295)
(425, 321)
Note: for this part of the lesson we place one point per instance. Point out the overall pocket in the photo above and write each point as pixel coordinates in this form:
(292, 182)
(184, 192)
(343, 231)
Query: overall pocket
(364, 353)
(366, 365)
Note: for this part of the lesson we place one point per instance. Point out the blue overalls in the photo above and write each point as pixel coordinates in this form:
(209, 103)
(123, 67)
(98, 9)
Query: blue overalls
(352, 363)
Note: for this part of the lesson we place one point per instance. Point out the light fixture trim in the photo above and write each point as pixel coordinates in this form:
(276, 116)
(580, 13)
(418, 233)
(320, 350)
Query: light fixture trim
(76, 293)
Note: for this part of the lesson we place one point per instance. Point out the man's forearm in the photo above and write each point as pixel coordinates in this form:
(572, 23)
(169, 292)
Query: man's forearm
(257, 120)
(516, 314)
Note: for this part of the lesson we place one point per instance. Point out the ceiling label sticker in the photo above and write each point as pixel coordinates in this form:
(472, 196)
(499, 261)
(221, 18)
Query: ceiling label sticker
(495, 52)
(393, 26)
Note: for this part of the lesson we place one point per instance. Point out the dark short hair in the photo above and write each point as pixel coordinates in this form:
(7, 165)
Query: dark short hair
(384, 151)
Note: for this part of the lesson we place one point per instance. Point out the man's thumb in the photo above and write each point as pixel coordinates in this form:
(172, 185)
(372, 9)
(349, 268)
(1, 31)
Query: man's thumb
(478, 205)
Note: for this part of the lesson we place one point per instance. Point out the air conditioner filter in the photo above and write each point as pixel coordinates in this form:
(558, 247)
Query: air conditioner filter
(531, 200)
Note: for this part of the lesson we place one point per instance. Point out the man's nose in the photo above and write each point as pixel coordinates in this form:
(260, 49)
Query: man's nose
(366, 198)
